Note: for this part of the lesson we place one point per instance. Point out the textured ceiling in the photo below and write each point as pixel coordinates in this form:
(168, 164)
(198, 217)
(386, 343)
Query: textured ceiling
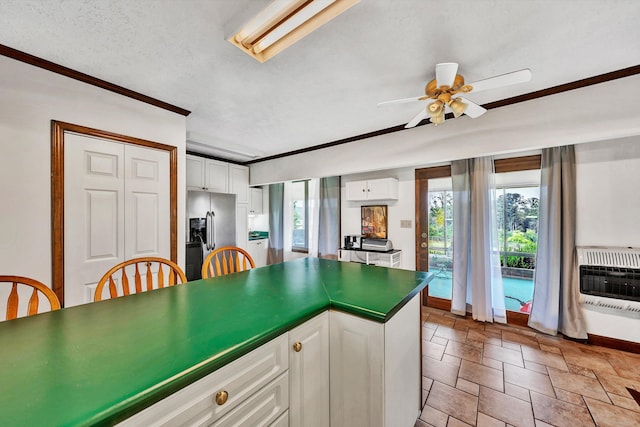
(325, 87)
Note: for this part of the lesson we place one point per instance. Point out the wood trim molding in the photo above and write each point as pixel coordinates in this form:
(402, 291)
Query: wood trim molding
(85, 78)
(601, 78)
(58, 130)
(517, 163)
(629, 346)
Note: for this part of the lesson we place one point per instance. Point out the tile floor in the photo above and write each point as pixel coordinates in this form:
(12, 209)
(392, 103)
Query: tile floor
(497, 375)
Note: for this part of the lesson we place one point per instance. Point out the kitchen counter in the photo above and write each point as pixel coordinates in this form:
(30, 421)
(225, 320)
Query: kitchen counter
(99, 363)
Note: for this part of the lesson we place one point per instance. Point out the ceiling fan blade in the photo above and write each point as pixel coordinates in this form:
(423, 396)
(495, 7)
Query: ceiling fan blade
(401, 101)
(515, 77)
(417, 119)
(473, 110)
(446, 73)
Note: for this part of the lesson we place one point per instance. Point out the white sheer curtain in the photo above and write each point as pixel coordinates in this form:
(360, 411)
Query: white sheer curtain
(275, 253)
(477, 277)
(556, 289)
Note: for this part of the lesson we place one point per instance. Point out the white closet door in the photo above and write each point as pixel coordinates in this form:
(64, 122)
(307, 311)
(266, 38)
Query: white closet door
(147, 215)
(93, 213)
(117, 207)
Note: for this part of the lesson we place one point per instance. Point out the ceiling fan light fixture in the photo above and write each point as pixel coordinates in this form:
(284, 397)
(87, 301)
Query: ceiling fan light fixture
(436, 112)
(458, 107)
(284, 22)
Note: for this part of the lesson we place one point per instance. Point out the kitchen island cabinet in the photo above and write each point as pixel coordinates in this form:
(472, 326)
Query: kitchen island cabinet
(101, 363)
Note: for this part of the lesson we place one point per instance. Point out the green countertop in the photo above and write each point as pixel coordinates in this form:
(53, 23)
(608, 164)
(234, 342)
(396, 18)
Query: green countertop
(97, 364)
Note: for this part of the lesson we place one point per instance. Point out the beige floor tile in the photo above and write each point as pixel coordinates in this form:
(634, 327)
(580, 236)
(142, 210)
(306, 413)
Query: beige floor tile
(451, 334)
(623, 402)
(511, 345)
(544, 358)
(570, 397)
(610, 415)
(439, 340)
(451, 360)
(468, 386)
(517, 391)
(427, 333)
(528, 379)
(464, 351)
(482, 375)
(485, 420)
(618, 385)
(454, 402)
(420, 423)
(494, 338)
(550, 348)
(426, 383)
(578, 384)
(595, 362)
(519, 338)
(433, 416)
(432, 350)
(536, 367)
(492, 363)
(436, 320)
(469, 324)
(439, 371)
(540, 423)
(474, 343)
(503, 354)
(559, 413)
(505, 408)
(579, 370)
(626, 365)
(454, 422)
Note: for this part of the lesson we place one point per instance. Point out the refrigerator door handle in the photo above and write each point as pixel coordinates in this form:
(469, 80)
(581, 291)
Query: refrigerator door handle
(213, 230)
(208, 232)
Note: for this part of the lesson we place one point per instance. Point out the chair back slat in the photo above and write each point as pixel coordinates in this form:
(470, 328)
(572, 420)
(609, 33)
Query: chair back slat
(18, 284)
(113, 292)
(149, 277)
(176, 276)
(12, 302)
(160, 277)
(33, 303)
(226, 260)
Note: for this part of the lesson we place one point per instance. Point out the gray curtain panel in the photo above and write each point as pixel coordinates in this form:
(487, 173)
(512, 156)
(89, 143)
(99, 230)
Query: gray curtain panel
(555, 305)
(461, 183)
(329, 218)
(276, 224)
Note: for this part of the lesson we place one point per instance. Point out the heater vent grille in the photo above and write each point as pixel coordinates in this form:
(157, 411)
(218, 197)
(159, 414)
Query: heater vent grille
(609, 257)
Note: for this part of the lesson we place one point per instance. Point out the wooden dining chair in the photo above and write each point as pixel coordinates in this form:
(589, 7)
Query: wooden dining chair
(226, 260)
(167, 274)
(30, 285)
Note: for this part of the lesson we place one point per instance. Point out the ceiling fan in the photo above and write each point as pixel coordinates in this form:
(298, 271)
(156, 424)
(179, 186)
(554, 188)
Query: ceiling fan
(446, 93)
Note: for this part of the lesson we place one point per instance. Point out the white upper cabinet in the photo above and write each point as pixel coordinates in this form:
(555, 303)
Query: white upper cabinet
(239, 182)
(373, 189)
(255, 206)
(207, 174)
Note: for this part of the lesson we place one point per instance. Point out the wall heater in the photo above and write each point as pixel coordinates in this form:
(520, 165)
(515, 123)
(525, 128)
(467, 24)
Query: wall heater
(610, 280)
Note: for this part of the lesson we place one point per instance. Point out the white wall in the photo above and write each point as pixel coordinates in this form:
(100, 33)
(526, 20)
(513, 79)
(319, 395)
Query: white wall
(401, 209)
(30, 99)
(608, 213)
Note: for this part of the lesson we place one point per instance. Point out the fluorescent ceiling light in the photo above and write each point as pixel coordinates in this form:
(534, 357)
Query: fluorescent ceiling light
(283, 23)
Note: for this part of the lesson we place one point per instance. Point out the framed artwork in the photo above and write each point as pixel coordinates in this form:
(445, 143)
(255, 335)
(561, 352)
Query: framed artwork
(374, 221)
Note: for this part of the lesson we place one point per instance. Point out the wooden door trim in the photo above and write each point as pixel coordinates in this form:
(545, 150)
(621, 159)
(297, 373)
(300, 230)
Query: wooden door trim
(58, 130)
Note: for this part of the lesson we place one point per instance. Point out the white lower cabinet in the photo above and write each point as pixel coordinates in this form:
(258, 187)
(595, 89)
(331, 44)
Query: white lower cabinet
(258, 250)
(202, 403)
(309, 373)
(335, 369)
(375, 369)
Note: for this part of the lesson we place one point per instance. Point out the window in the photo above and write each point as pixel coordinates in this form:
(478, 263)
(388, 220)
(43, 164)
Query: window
(440, 221)
(300, 216)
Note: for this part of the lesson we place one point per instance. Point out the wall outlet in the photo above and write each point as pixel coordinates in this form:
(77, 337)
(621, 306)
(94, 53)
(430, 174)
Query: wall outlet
(405, 223)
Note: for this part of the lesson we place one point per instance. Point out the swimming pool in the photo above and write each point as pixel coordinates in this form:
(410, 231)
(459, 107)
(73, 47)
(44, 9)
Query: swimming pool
(522, 289)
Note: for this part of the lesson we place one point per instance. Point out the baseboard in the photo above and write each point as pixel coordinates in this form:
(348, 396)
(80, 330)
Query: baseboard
(629, 346)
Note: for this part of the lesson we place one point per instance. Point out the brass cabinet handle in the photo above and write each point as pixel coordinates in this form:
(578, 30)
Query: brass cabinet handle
(221, 397)
(297, 346)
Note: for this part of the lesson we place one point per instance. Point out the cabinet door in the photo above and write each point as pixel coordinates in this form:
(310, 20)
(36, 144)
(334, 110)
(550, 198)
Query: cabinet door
(195, 172)
(309, 373)
(216, 176)
(356, 190)
(256, 201)
(242, 227)
(258, 251)
(382, 189)
(239, 182)
(357, 358)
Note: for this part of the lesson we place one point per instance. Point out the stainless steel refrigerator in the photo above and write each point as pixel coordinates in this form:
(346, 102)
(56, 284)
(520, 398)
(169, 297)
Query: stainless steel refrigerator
(211, 224)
